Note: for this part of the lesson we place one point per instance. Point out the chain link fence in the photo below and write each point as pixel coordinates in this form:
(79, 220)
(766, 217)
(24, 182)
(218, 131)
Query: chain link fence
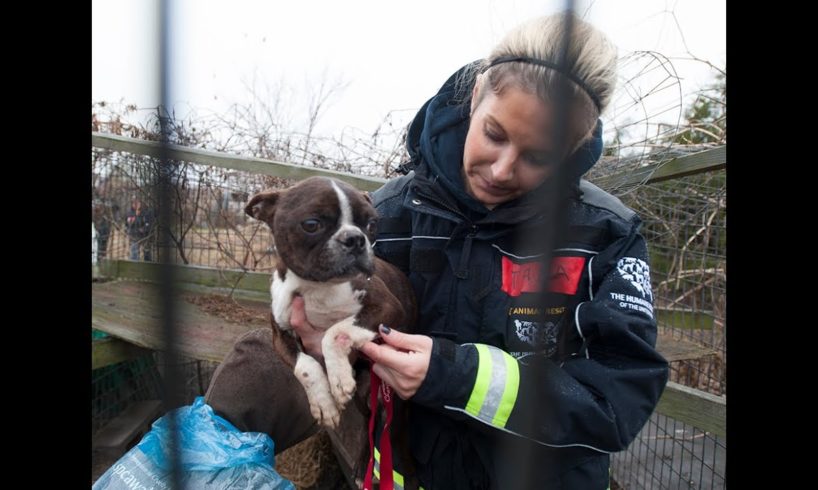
(684, 223)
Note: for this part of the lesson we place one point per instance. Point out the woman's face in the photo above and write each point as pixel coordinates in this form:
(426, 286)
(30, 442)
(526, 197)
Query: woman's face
(508, 150)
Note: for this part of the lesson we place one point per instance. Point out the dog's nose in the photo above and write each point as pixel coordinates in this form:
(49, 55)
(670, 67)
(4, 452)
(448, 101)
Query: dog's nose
(352, 240)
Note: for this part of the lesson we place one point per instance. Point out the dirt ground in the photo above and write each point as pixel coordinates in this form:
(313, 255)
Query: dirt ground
(238, 311)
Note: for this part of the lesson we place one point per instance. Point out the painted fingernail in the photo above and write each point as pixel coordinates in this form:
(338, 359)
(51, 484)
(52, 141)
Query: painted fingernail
(385, 330)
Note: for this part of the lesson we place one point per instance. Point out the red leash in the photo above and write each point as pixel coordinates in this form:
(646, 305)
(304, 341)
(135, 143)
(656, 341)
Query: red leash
(386, 443)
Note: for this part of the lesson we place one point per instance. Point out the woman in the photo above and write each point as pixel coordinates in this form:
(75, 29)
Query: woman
(510, 386)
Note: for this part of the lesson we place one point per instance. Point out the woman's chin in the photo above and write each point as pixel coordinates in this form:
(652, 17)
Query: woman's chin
(477, 190)
(492, 200)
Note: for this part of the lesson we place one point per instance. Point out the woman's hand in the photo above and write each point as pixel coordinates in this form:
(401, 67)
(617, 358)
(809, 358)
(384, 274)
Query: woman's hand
(402, 362)
(310, 337)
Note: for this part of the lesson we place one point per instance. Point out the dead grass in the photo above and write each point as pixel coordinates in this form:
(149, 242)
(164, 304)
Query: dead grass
(230, 309)
(311, 464)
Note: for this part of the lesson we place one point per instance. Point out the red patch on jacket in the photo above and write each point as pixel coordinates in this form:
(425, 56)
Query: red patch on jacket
(565, 274)
(525, 278)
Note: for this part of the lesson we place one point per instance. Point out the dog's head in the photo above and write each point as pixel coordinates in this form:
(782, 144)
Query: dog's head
(323, 228)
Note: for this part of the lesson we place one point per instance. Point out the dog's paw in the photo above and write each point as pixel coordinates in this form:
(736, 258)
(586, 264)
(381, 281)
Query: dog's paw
(322, 406)
(342, 385)
(360, 336)
(325, 412)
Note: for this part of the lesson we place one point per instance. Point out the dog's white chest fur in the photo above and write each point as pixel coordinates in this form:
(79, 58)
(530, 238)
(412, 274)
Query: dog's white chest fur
(326, 304)
(330, 307)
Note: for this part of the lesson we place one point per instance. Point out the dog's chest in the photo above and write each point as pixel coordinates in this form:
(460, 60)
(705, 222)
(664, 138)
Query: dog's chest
(326, 304)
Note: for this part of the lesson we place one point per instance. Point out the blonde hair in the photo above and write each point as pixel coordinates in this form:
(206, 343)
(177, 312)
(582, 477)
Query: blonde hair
(591, 57)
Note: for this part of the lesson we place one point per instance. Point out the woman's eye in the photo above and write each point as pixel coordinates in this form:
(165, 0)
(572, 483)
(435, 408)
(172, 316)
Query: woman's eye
(311, 225)
(493, 136)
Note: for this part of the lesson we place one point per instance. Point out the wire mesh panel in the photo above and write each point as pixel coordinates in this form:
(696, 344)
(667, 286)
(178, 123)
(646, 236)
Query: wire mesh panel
(115, 387)
(209, 226)
(671, 454)
(119, 386)
(684, 223)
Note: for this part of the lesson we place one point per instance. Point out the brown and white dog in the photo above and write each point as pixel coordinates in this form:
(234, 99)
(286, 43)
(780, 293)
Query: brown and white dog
(323, 230)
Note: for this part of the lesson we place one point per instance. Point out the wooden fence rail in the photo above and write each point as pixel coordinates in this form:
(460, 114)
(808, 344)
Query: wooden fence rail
(226, 160)
(704, 161)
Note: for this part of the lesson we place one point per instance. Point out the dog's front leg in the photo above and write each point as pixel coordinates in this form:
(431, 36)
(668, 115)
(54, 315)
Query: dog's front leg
(336, 345)
(311, 375)
(282, 293)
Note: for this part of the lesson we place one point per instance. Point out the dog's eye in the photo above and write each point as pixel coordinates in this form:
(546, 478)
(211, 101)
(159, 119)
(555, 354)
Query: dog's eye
(372, 226)
(311, 225)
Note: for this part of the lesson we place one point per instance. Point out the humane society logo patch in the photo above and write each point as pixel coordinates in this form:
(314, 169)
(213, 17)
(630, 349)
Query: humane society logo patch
(637, 272)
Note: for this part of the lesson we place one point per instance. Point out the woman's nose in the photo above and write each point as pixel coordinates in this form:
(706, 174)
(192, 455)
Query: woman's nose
(502, 170)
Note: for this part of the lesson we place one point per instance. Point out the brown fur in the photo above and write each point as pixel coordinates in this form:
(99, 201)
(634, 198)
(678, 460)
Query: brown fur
(389, 298)
(381, 304)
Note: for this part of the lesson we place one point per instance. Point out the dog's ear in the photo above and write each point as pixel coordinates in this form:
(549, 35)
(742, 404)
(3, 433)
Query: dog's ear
(367, 196)
(262, 206)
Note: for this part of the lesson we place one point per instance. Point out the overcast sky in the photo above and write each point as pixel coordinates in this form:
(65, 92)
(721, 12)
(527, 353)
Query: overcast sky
(391, 55)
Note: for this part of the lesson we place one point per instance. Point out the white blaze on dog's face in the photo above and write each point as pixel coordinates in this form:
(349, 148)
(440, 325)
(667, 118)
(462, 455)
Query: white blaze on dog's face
(323, 228)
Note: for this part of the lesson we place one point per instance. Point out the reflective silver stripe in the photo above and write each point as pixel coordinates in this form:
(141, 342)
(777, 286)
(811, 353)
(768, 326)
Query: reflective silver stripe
(406, 239)
(540, 255)
(515, 256)
(494, 393)
(457, 409)
(576, 250)
(497, 385)
(579, 329)
(393, 239)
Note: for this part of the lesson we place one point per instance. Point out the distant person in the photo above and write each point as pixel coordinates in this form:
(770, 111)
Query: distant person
(102, 224)
(139, 222)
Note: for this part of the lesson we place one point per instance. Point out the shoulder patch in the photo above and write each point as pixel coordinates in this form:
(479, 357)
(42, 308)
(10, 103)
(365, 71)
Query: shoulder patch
(593, 195)
(392, 188)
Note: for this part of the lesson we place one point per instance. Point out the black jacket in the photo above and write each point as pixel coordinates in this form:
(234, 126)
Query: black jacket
(139, 226)
(524, 389)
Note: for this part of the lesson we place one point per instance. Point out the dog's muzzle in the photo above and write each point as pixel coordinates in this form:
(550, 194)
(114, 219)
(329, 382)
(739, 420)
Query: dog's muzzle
(352, 240)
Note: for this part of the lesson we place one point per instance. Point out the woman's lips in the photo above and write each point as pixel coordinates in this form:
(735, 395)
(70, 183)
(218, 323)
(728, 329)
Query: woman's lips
(493, 190)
